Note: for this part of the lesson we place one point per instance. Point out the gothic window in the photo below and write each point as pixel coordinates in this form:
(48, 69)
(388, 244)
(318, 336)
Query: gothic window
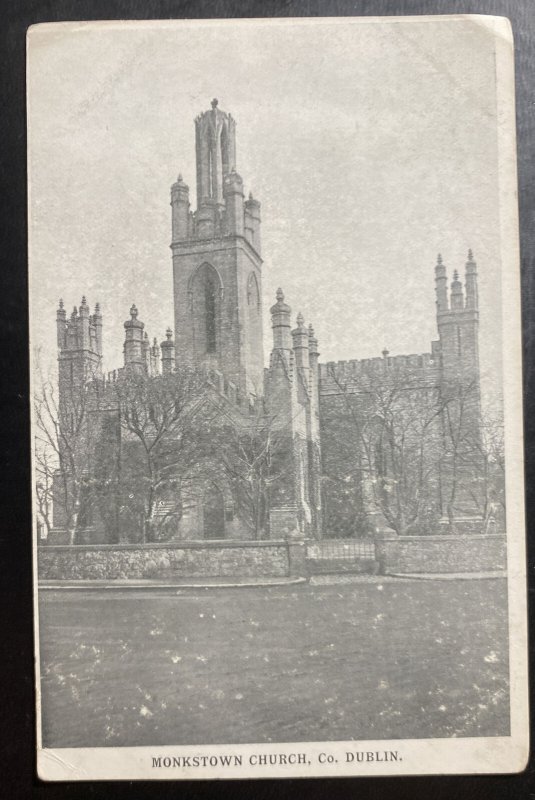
(253, 294)
(210, 314)
(210, 170)
(206, 292)
(224, 152)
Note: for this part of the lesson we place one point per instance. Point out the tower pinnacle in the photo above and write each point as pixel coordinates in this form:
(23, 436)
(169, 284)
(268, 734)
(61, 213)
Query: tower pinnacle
(441, 286)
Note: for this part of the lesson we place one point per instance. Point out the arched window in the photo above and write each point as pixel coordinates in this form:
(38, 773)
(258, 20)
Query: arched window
(253, 293)
(210, 313)
(206, 290)
(226, 167)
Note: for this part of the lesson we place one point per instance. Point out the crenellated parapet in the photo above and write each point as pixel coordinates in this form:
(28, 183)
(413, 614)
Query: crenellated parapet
(353, 375)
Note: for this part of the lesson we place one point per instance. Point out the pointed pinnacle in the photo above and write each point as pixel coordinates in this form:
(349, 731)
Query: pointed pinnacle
(279, 295)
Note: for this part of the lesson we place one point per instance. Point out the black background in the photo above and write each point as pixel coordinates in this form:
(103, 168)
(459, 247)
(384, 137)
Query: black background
(17, 717)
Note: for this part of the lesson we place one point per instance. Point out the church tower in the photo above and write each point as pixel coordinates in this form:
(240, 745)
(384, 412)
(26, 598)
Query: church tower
(217, 267)
(458, 322)
(79, 339)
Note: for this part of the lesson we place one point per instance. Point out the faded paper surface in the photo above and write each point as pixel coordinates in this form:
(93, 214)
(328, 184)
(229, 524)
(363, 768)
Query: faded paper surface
(372, 146)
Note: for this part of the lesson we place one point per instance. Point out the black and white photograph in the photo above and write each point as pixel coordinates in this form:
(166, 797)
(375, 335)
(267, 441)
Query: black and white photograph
(276, 398)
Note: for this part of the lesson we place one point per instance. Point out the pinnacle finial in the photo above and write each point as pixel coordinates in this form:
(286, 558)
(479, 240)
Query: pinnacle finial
(146, 336)
(60, 304)
(155, 342)
(169, 334)
(97, 309)
(214, 103)
(180, 178)
(300, 320)
(251, 196)
(279, 295)
(455, 275)
(310, 330)
(133, 311)
(385, 352)
(84, 301)
(470, 255)
(439, 259)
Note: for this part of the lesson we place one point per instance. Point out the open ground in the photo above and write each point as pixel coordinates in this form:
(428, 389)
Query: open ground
(368, 660)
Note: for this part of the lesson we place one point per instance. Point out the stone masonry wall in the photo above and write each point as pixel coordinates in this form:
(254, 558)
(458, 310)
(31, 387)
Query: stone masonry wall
(441, 554)
(165, 561)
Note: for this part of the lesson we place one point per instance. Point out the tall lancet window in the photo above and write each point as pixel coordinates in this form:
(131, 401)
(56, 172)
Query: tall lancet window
(206, 292)
(210, 314)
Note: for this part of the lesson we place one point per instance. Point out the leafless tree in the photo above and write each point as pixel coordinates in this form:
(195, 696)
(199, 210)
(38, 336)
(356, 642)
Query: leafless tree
(394, 419)
(253, 449)
(62, 439)
(162, 418)
(45, 466)
(491, 444)
(464, 463)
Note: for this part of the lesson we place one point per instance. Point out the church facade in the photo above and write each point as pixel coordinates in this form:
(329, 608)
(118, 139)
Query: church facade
(295, 448)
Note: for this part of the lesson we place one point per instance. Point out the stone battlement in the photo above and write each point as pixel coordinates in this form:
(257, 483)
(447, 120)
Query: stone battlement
(335, 376)
(214, 378)
(358, 367)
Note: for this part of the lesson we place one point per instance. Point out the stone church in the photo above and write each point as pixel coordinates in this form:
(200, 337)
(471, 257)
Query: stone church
(348, 447)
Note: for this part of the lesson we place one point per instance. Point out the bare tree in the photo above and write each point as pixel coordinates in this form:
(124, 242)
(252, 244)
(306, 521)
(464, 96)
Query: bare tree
(491, 452)
(465, 464)
(62, 433)
(158, 417)
(253, 451)
(393, 420)
(401, 442)
(45, 466)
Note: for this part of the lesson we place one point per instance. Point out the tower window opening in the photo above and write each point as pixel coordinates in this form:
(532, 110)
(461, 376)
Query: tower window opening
(210, 173)
(210, 311)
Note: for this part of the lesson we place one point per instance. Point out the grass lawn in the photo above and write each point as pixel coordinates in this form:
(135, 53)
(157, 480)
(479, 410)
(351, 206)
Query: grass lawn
(369, 660)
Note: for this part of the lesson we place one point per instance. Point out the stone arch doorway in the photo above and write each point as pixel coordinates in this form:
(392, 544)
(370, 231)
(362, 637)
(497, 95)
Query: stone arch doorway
(213, 513)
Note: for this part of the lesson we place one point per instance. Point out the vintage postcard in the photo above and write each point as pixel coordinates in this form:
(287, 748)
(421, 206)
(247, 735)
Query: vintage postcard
(277, 418)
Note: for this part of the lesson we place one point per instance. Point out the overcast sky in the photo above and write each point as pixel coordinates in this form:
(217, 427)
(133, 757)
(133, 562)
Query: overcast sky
(371, 146)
